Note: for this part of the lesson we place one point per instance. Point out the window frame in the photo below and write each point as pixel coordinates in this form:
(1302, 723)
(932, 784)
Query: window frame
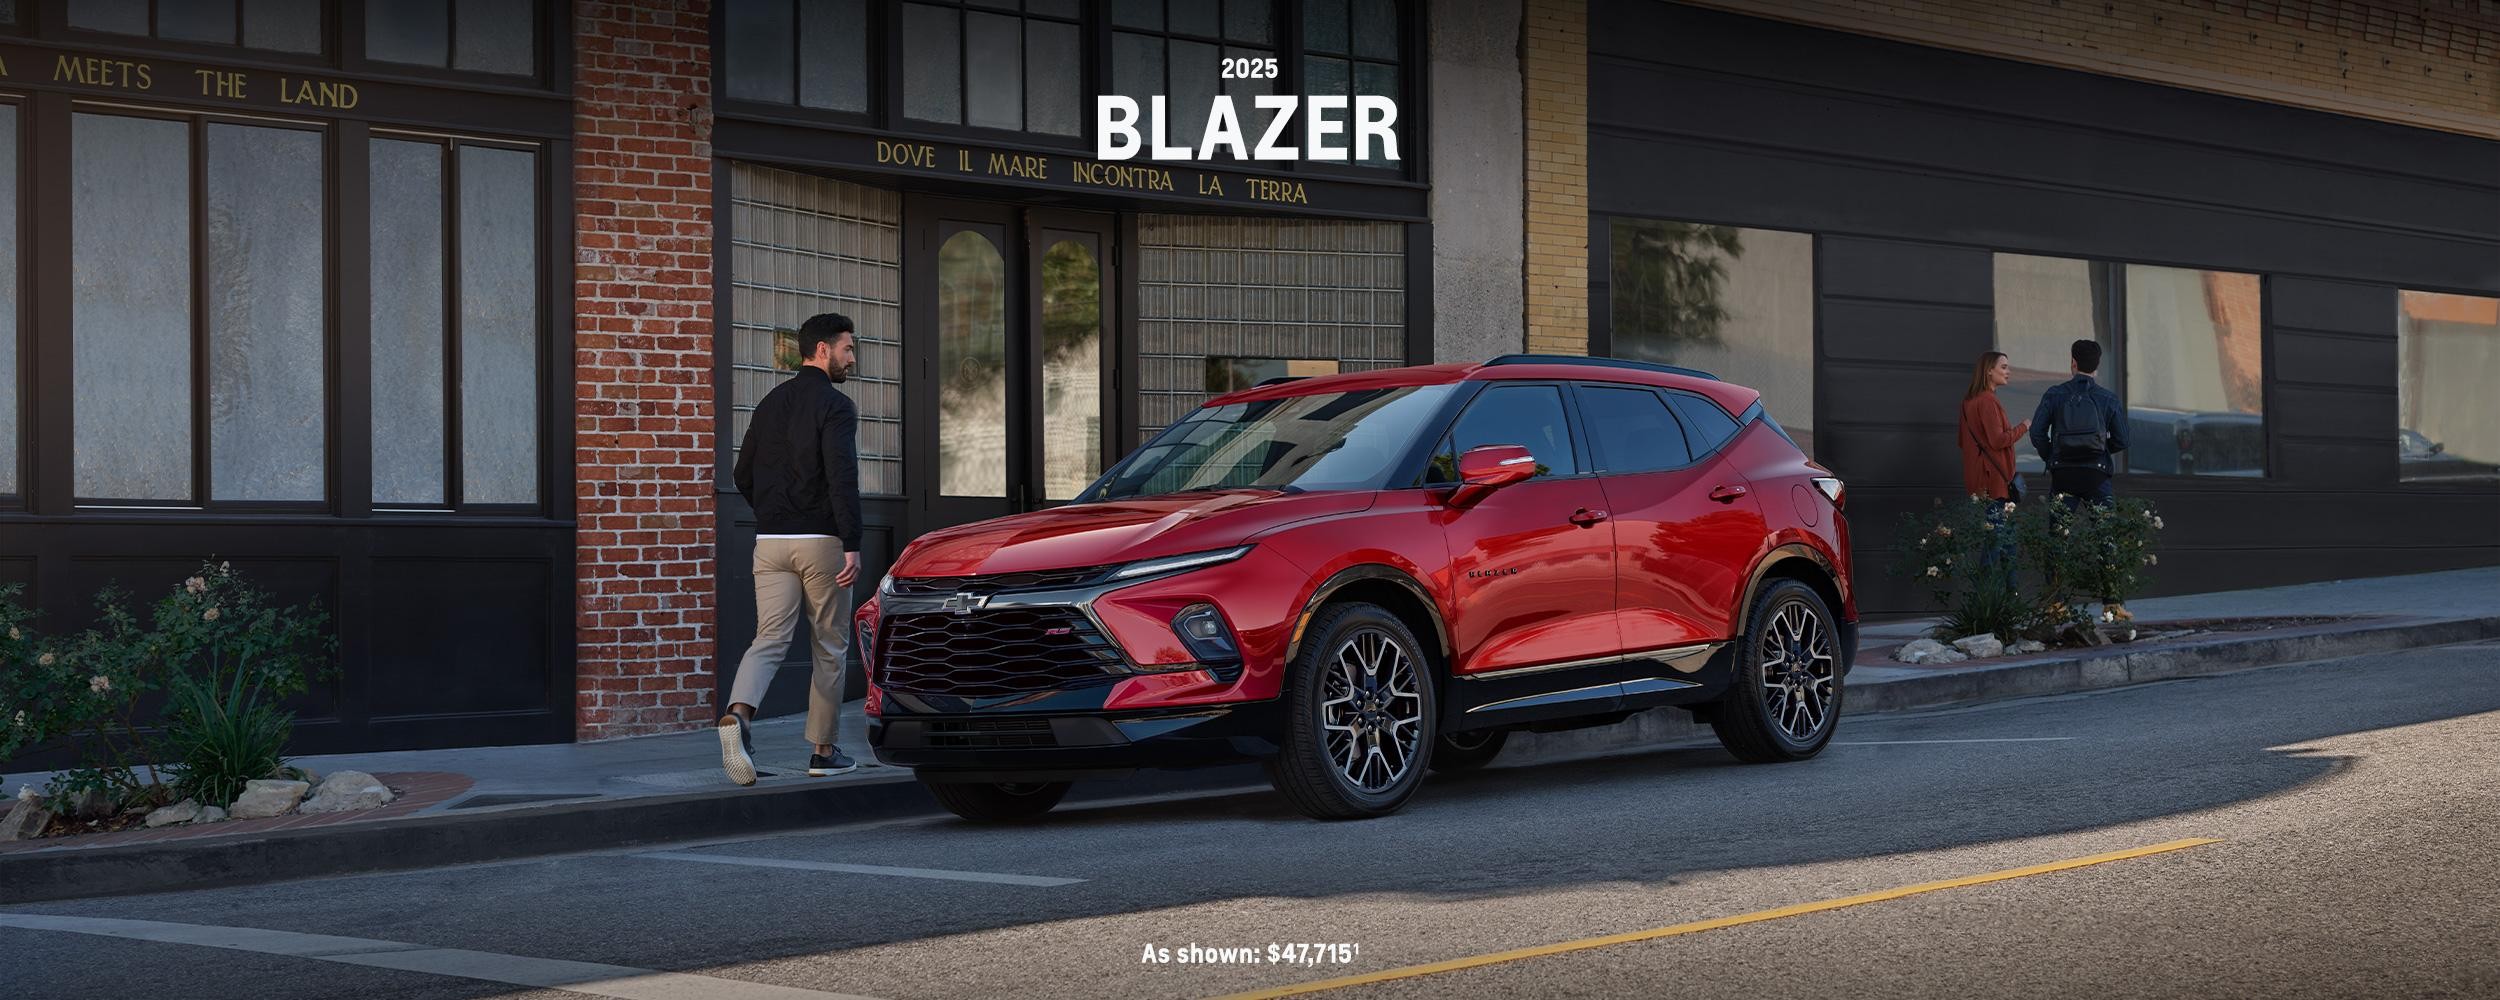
(873, 59)
(1412, 42)
(21, 420)
(548, 21)
(51, 21)
(2477, 486)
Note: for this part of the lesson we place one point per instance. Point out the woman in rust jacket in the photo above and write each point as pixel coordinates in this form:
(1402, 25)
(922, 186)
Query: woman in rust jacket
(1987, 443)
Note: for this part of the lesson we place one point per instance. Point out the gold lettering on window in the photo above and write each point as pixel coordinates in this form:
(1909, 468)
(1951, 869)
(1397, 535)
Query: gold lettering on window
(98, 72)
(909, 154)
(338, 96)
(1211, 185)
(214, 83)
(1286, 191)
(1031, 168)
(1110, 175)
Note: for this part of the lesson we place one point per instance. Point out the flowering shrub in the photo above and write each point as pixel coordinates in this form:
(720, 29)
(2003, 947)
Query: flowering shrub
(1963, 555)
(217, 647)
(2025, 571)
(2089, 552)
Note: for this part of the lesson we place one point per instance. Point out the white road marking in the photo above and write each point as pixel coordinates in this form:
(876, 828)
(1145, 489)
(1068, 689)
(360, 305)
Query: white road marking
(835, 866)
(1890, 743)
(592, 978)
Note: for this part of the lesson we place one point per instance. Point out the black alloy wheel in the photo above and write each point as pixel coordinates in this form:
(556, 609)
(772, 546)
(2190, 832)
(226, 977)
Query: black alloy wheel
(1360, 723)
(1784, 701)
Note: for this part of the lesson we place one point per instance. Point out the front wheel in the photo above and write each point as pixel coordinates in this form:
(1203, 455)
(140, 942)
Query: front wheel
(996, 802)
(1784, 701)
(1359, 728)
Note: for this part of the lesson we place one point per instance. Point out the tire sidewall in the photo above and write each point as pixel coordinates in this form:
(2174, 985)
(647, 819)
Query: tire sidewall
(1309, 679)
(1749, 673)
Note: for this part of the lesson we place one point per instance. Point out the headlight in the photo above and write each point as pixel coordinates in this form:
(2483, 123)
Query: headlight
(1168, 564)
(885, 584)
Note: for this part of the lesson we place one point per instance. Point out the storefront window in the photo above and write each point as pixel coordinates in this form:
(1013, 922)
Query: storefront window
(9, 423)
(1353, 47)
(1178, 53)
(275, 25)
(762, 52)
(805, 245)
(1227, 287)
(266, 314)
(1738, 303)
(2447, 417)
(491, 197)
(1071, 370)
(474, 36)
(130, 308)
(972, 367)
(2044, 305)
(1231, 374)
(991, 68)
(2195, 372)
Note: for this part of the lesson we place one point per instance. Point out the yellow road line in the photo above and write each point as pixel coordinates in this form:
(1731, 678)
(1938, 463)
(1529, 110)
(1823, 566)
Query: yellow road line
(1715, 923)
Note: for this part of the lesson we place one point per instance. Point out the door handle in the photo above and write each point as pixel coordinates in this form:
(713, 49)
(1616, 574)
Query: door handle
(1727, 494)
(1587, 518)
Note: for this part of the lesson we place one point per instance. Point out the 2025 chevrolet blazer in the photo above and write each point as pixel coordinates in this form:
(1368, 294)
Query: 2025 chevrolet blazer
(1359, 578)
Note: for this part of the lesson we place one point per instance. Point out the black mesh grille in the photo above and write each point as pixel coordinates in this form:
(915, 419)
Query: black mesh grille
(1047, 579)
(1002, 651)
(990, 733)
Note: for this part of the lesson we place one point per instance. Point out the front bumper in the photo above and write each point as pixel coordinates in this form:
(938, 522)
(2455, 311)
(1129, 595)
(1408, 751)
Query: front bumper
(1051, 745)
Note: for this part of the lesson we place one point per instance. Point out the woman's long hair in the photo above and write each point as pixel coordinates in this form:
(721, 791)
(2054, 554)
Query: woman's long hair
(1979, 373)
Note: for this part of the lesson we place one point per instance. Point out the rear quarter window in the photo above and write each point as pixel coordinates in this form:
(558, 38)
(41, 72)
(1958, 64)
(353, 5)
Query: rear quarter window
(1706, 426)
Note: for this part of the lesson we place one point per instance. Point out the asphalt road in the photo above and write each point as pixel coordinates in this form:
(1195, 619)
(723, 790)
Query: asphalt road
(2350, 805)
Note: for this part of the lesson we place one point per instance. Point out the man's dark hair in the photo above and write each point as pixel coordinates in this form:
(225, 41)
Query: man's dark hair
(2087, 354)
(822, 328)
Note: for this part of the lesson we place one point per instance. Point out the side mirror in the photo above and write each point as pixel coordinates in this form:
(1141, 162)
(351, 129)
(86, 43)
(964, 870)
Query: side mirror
(1494, 466)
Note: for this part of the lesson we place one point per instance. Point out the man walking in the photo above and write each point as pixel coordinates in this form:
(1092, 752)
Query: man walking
(799, 469)
(2078, 426)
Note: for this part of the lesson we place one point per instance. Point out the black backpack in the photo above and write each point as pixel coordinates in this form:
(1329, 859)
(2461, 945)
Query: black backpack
(2081, 440)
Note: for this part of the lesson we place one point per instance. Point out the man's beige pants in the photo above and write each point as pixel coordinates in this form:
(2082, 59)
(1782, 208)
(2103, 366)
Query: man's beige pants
(791, 574)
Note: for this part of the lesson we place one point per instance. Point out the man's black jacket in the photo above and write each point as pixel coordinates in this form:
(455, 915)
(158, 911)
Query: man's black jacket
(799, 464)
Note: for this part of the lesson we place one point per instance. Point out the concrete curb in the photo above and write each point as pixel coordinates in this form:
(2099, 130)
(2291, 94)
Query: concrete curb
(441, 839)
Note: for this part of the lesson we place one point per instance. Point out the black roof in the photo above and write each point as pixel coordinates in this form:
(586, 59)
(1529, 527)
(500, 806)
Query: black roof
(1577, 359)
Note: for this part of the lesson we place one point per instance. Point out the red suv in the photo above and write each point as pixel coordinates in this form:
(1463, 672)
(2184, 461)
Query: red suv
(1357, 578)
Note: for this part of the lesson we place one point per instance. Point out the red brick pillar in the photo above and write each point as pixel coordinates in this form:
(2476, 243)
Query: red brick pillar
(642, 389)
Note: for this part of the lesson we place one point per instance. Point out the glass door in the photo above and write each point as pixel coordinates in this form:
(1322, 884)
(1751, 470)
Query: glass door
(1071, 288)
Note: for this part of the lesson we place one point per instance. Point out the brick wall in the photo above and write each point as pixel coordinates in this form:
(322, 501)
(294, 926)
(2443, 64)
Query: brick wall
(1555, 61)
(2430, 63)
(642, 398)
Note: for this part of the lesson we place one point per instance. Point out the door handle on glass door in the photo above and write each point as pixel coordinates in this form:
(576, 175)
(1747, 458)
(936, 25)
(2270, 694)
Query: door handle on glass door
(1587, 518)
(1727, 494)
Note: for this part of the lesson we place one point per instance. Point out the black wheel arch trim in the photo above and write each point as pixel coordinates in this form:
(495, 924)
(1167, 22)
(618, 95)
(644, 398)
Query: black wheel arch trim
(1360, 574)
(1777, 557)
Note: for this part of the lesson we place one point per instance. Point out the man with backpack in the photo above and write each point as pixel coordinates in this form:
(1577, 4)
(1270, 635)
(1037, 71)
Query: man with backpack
(2078, 426)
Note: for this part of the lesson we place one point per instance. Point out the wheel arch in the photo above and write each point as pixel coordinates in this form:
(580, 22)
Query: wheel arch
(1391, 589)
(1804, 564)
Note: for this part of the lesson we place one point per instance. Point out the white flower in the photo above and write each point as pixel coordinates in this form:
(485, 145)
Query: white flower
(45, 660)
(209, 615)
(1987, 526)
(1931, 571)
(2152, 560)
(1945, 529)
(13, 634)
(2157, 524)
(194, 585)
(99, 684)
(2009, 507)
(225, 567)
(18, 720)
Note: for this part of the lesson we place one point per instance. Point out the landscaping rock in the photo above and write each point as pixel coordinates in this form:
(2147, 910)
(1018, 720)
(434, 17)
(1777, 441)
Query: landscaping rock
(27, 819)
(210, 814)
(348, 791)
(266, 797)
(2031, 646)
(88, 804)
(1981, 645)
(1928, 651)
(180, 812)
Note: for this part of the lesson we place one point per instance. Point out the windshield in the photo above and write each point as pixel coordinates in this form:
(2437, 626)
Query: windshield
(1325, 441)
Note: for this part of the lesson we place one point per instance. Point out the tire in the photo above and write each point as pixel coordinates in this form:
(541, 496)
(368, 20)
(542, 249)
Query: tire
(1773, 712)
(1461, 752)
(994, 802)
(1360, 724)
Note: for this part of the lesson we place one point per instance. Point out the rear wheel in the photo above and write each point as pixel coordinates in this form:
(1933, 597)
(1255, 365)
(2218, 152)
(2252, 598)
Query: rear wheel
(1784, 701)
(1359, 716)
(1468, 751)
(997, 802)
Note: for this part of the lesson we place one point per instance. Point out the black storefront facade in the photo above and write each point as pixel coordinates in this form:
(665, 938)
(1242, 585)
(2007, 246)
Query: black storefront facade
(1027, 312)
(286, 286)
(2259, 274)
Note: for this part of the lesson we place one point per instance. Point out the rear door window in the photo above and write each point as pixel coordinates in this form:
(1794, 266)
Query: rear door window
(1631, 430)
(1706, 426)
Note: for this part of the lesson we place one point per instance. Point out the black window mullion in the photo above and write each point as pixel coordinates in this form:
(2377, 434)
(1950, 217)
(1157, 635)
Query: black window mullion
(454, 496)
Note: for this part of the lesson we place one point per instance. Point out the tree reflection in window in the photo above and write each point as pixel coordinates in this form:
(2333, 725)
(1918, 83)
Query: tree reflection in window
(972, 367)
(1667, 278)
(1071, 370)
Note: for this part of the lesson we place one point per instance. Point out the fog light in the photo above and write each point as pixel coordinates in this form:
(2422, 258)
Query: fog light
(1202, 630)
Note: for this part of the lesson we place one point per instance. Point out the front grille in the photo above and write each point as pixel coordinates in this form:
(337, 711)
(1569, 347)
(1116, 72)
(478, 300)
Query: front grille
(947, 586)
(990, 733)
(1003, 651)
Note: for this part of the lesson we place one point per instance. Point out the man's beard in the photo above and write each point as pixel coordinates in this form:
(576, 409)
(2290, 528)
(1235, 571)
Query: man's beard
(840, 372)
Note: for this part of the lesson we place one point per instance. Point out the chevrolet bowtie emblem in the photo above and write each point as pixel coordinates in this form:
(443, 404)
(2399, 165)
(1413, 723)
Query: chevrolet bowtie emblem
(965, 602)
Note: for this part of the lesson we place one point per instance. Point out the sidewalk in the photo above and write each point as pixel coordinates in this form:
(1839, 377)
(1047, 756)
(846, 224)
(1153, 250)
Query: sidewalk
(488, 802)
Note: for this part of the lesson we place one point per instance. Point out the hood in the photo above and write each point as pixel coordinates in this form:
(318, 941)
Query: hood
(1117, 531)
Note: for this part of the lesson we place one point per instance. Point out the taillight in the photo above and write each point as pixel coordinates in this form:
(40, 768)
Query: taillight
(1831, 488)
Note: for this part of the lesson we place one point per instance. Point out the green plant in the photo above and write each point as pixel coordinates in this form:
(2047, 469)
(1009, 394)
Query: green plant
(231, 655)
(1962, 554)
(223, 739)
(2088, 552)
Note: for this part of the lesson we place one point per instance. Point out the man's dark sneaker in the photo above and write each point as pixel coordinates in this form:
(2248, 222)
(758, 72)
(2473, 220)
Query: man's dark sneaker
(827, 765)
(737, 749)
